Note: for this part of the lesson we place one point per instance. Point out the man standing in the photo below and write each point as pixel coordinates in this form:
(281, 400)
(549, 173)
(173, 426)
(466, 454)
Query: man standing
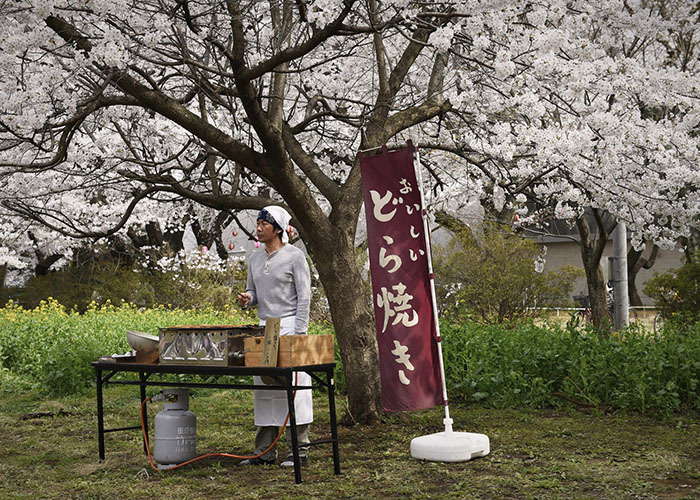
(279, 284)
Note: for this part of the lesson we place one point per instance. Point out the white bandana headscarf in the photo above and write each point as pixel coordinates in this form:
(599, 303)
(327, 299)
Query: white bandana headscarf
(282, 219)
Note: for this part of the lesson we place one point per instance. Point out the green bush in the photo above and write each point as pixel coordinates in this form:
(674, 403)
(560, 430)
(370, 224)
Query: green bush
(493, 278)
(550, 366)
(54, 347)
(490, 365)
(103, 278)
(676, 293)
(193, 288)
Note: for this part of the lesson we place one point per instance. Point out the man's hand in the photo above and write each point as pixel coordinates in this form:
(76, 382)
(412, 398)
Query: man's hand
(244, 299)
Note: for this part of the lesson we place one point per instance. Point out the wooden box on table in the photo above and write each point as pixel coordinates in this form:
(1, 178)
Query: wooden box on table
(294, 350)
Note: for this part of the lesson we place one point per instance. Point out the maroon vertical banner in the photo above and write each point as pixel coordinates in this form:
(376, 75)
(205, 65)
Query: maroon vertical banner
(408, 355)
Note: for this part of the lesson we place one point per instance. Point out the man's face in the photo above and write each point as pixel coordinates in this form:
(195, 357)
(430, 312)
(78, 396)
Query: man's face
(265, 231)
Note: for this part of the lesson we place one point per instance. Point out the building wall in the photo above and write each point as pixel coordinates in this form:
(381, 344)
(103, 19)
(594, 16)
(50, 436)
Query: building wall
(562, 252)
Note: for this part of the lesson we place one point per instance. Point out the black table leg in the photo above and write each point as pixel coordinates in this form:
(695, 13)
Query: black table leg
(334, 426)
(293, 427)
(100, 416)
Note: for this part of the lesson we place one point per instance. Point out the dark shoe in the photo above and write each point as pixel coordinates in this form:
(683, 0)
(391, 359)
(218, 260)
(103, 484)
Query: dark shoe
(289, 461)
(256, 461)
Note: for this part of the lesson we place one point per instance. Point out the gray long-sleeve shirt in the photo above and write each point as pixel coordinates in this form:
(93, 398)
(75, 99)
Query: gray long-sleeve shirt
(280, 285)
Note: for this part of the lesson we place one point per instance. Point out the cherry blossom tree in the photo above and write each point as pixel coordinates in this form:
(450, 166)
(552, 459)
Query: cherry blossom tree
(581, 111)
(119, 113)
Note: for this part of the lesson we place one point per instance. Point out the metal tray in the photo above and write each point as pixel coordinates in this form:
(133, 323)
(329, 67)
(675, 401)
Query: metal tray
(215, 345)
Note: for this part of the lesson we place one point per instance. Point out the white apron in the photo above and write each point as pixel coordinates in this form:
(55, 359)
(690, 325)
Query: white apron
(271, 406)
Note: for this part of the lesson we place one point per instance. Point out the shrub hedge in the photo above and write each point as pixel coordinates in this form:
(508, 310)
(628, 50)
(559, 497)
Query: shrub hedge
(490, 365)
(54, 347)
(533, 366)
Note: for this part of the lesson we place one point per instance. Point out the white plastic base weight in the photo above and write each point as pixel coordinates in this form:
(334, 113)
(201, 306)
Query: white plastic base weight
(450, 446)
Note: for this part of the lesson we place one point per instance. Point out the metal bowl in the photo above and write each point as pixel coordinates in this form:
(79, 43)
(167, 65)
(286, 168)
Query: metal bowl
(142, 342)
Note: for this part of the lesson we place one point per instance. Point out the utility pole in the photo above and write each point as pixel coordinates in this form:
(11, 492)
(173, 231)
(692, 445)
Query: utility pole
(620, 288)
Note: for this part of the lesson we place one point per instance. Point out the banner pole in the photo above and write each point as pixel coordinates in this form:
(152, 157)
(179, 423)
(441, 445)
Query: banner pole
(448, 446)
(431, 275)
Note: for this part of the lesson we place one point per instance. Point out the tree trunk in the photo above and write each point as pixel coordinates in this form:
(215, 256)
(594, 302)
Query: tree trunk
(354, 328)
(596, 288)
(3, 290)
(635, 263)
(592, 246)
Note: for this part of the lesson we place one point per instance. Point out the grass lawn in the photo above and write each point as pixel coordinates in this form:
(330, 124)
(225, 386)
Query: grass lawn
(48, 450)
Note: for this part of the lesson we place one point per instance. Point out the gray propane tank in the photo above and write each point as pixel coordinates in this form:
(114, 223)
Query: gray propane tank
(175, 430)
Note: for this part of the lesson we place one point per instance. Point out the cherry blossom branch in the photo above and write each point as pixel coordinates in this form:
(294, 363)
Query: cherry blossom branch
(298, 51)
(35, 214)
